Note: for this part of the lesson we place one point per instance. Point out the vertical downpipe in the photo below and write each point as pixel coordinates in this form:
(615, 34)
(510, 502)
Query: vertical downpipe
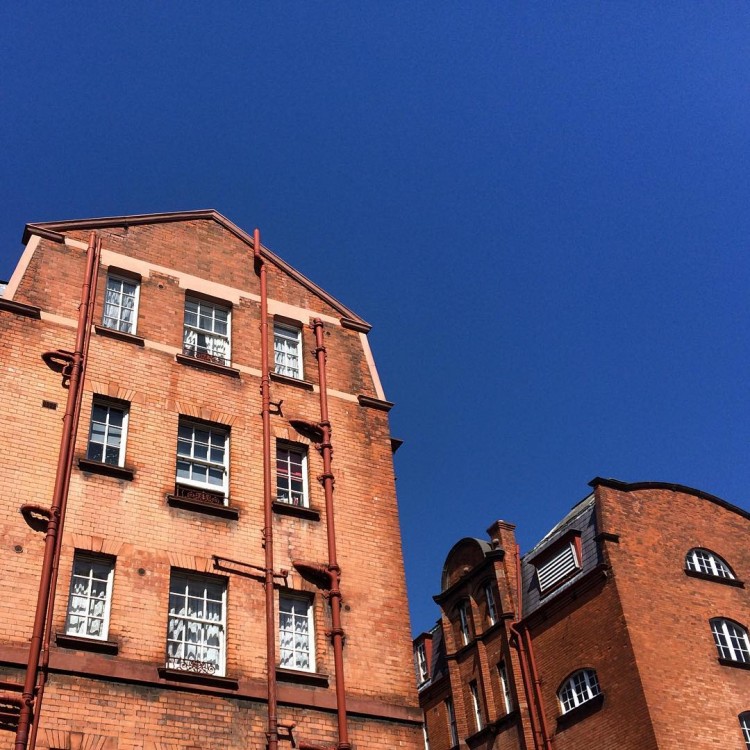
(59, 497)
(56, 564)
(532, 684)
(265, 387)
(337, 633)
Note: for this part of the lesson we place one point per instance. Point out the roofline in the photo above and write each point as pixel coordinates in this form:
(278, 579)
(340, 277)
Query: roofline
(54, 230)
(616, 484)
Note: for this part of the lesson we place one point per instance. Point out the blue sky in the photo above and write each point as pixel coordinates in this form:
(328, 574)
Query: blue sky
(542, 207)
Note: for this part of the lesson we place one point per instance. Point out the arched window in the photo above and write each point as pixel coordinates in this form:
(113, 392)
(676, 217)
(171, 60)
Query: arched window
(580, 687)
(708, 563)
(744, 718)
(731, 640)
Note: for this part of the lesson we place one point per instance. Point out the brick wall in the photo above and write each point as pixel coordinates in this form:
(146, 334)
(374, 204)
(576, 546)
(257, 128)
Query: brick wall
(668, 611)
(131, 520)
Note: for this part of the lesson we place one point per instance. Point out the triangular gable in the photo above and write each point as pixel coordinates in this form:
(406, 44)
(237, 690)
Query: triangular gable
(54, 230)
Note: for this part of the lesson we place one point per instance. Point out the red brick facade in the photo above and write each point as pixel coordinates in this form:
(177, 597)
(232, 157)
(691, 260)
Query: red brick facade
(118, 695)
(644, 574)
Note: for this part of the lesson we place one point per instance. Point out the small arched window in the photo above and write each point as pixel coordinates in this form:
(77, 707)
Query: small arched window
(699, 560)
(731, 640)
(744, 718)
(580, 687)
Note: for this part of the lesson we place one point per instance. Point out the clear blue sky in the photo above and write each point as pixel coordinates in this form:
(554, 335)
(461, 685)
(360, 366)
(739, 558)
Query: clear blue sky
(541, 207)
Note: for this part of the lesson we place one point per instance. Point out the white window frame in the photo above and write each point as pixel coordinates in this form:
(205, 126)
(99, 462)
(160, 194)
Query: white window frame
(744, 719)
(502, 671)
(115, 322)
(424, 732)
(287, 344)
(83, 575)
(581, 687)
(420, 652)
(489, 596)
(109, 406)
(286, 599)
(452, 726)
(199, 623)
(206, 343)
(463, 622)
(192, 460)
(559, 567)
(302, 495)
(478, 721)
(701, 560)
(731, 639)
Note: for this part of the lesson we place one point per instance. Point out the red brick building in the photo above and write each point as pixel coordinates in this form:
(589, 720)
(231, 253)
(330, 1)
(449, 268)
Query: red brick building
(230, 411)
(630, 631)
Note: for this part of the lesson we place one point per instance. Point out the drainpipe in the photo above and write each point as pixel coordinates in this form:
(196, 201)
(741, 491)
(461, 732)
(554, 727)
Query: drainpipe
(75, 370)
(337, 633)
(265, 394)
(531, 681)
(44, 667)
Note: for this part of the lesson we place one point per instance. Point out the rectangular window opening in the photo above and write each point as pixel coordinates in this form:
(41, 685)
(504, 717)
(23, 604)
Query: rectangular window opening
(291, 475)
(296, 633)
(196, 627)
(107, 433)
(203, 458)
(90, 597)
(478, 723)
(121, 304)
(452, 726)
(287, 348)
(206, 332)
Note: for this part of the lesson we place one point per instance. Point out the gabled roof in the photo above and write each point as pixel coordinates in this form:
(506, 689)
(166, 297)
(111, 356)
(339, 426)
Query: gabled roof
(54, 230)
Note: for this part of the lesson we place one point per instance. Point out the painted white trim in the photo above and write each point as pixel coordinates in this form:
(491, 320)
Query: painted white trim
(166, 349)
(76, 243)
(371, 364)
(58, 319)
(21, 266)
(220, 291)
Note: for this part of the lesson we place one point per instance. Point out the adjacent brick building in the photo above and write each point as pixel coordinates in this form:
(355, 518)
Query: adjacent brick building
(631, 630)
(158, 631)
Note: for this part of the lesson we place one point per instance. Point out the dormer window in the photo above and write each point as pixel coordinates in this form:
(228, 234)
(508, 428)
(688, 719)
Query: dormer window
(707, 563)
(561, 562)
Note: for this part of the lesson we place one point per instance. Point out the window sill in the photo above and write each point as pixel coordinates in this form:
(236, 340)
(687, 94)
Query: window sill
(732, 663)
(298, 382)
(107, 470)
(111, 333)
(202, 364)
(715, 579)
(303, 678)
(19, 308)
(196, 678)
(199, 506)
(580, 712)
(285, 509)
(87, 644)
